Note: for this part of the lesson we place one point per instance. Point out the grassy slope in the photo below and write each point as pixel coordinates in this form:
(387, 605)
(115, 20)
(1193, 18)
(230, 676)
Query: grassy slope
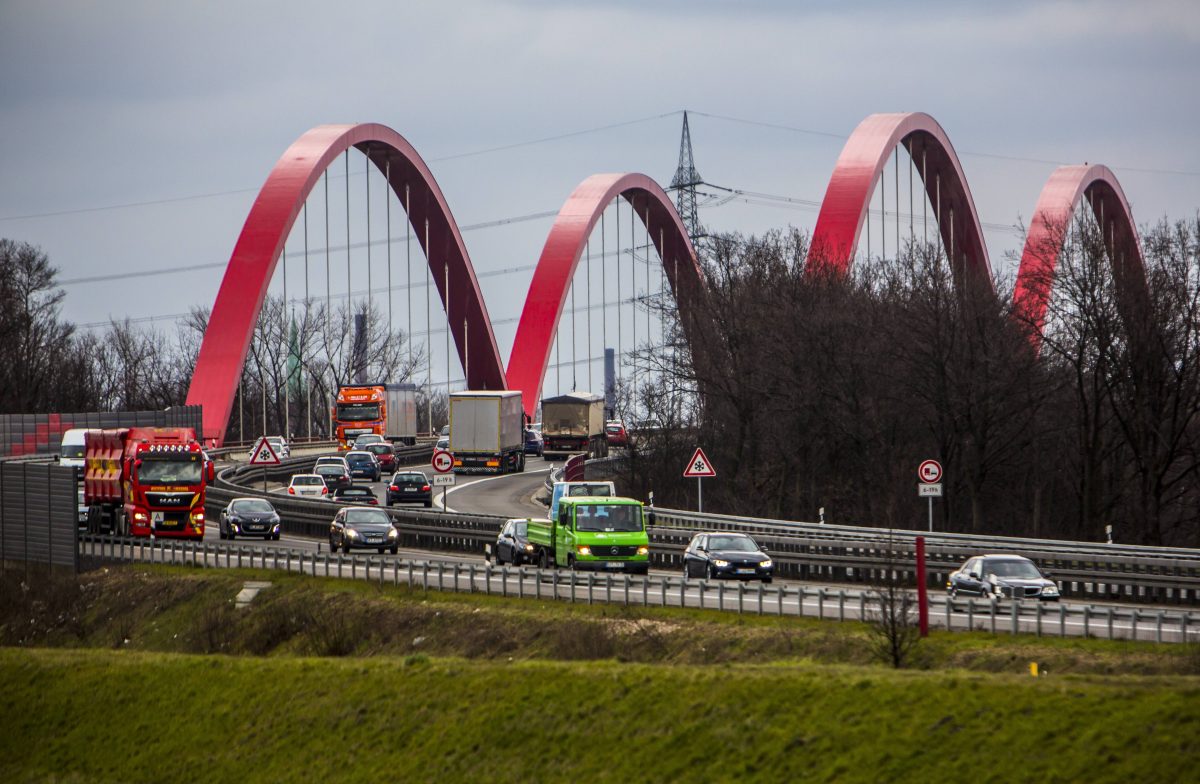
(122, 716)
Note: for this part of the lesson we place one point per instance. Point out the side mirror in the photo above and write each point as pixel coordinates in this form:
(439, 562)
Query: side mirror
(210, 473)
(973, 575)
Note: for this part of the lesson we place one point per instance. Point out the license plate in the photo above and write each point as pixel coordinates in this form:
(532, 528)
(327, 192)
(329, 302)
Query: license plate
(614, 565)
(375, 539)
(745, 571)
(410, 489)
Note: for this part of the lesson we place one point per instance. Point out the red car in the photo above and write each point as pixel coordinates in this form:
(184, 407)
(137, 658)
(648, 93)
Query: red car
(385, 454)
(615, 431)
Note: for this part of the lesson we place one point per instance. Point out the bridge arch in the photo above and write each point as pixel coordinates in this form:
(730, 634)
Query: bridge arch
(244, 286)
(848, 195)
(1060, 197)
(560, 256)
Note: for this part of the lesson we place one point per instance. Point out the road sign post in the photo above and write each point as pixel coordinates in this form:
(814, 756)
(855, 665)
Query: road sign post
(699, 467)
(930, 475)
(443, 463)
(922, 596)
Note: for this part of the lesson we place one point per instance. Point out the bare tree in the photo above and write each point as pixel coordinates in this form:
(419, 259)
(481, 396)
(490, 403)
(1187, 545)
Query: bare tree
(891, 619)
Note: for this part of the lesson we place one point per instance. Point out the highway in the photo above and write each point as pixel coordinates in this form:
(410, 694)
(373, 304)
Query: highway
(512, 495)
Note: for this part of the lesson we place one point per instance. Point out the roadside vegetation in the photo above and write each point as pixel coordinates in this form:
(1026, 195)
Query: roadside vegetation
(141, 673)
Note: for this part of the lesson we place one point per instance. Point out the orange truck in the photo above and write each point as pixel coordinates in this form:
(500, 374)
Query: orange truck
(145, 481)
(387, 410)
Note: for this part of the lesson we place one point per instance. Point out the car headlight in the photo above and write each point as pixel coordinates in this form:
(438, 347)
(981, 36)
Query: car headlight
(350, 532)
(767, 564)
(720, 564)
(584, 549)
(1050, 589)
(643, 550)
(529, 548)
(393, 533)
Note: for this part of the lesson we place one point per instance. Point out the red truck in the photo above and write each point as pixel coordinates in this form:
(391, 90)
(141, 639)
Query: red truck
(145, 481)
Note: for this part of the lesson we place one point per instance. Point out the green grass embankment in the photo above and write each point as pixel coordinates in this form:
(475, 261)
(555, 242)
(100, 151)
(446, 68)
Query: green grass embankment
(96, 715)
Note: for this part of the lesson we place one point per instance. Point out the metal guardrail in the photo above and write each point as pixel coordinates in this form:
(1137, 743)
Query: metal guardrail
(653, 591)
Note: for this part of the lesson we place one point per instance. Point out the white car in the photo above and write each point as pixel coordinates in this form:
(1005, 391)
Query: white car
(312, 485)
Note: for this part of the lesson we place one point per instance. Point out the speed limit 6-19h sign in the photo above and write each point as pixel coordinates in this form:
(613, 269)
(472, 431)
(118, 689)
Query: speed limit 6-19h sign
(929, 472)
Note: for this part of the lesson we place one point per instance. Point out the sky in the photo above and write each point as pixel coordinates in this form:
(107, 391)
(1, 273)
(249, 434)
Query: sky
(136, 134)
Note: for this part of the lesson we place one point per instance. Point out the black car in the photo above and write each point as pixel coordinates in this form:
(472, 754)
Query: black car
(355, 494)
(512, 544)
(533, 443)
(409, 487)
(335, 476)
(363, 464)
(1002, 576)
(716, 555)
(363, 528)
(249, 517)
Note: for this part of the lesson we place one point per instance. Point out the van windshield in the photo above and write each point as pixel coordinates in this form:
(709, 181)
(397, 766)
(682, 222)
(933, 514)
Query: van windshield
(608, 517)
(72, 450)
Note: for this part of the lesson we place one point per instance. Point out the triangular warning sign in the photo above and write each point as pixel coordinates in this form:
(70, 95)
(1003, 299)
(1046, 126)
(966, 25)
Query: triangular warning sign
(263, 454)
(699, 465)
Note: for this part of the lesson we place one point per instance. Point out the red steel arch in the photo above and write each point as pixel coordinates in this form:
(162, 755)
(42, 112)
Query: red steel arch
(244, 287)
(847, 198)
(1039, 260)
(561, 254)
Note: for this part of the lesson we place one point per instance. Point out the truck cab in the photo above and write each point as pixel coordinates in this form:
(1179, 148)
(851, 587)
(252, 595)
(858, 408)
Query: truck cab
(593, 533)
(562, 489)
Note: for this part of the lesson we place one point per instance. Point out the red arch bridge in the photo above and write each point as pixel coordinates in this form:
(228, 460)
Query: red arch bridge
(843, 219)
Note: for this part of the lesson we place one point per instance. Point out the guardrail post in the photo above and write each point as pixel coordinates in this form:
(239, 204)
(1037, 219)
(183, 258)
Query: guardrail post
(396, 572)
(1158, 627)
(625, 580)
(700, 590)
(554, 584)
(590, 576)
(682, 592)
(353, 567)
(1014, 613)
(441, 574)
(520, 583)
(1133, 619)
(1039, 617)
(646, 590)
(741, 595)
(487, 570)
(239, 557)
(841, 604)
(1184, 617)
(992, 604)
(779, 601)
(1110, 623)
(720, 596)
(949, 605)
(1087, 612)
(970, 615)
(425, 576)
(821, 603)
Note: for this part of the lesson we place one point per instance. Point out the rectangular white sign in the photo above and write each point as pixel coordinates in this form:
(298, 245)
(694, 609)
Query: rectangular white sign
(443, 479)
(929, 490)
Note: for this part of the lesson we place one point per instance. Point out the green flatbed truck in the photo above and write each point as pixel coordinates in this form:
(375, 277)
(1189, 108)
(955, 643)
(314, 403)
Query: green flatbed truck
(593, 533)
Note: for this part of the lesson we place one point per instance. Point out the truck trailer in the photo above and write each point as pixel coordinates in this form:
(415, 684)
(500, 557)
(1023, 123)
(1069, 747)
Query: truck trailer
(593, 533)
(145, 481)
(487, 431)
(573, 424)
(388, 410)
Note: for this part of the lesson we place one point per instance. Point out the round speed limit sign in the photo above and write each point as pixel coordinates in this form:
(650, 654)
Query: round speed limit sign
(443, 461)
(929, 472)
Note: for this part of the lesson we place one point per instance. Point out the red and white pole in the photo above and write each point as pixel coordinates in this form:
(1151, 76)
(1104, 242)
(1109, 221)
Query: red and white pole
(922, 597)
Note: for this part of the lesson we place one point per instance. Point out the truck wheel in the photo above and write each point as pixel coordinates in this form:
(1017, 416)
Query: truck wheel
(543, 560)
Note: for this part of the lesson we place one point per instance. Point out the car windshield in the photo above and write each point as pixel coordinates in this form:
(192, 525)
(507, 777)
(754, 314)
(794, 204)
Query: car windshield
(177, 470)
(359, 459)
(1013, 568)
(330, 470)
(253, 506)
(608, 517)
(368, 516)
(72, 450)
(742, 544)
(520, 529)
(329, 460)
(380, 449)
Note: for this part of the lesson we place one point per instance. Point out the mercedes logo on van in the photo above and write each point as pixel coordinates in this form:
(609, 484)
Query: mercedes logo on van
(614, 551)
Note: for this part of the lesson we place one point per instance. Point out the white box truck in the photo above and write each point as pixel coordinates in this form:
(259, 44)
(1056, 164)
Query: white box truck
(487, 431)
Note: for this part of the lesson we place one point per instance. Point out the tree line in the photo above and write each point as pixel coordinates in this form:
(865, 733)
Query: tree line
(812, 392)
(300, 353)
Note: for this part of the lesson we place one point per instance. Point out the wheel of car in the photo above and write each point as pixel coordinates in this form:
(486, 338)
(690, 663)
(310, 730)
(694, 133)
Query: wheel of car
(712, 572)
(346, 546)
(429, 503)
(275, 537)
(952, 591)
(389, 501)
(220, 532)
(395, 549)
